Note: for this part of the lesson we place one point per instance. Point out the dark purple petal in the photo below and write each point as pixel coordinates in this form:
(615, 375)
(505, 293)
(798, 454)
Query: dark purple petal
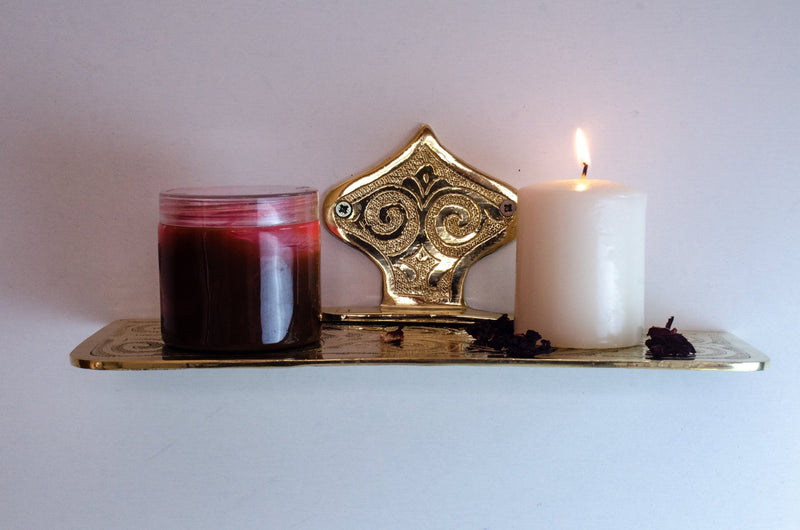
(666, 343)
(499, 334)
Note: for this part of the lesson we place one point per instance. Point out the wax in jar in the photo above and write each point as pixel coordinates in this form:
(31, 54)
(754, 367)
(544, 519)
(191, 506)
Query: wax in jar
(580, 263)
(239, 272)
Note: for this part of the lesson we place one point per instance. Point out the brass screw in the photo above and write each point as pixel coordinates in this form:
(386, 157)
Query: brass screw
(508, 208)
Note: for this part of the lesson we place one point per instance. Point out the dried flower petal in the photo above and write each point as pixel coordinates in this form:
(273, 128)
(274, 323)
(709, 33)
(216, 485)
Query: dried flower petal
(394, 336)
(666, 343)
(499, 334)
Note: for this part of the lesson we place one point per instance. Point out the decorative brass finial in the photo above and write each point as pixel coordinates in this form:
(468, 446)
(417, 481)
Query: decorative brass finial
(424, 217)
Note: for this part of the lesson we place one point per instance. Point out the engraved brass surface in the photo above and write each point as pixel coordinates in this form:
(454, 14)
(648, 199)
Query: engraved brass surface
(135, 344)
(385, 315)
(424, 217)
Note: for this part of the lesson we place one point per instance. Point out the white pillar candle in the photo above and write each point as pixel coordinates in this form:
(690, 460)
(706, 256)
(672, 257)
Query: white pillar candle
(580, 263)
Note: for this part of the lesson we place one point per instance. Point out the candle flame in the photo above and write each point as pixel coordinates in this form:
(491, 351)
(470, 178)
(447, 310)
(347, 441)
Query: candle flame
(582, 150)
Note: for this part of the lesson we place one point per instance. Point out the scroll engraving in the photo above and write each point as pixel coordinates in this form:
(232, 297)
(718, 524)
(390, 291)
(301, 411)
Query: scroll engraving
(424, 217)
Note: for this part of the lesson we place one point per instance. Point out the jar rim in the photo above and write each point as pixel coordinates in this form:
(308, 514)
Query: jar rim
(236, 192)
(238, 206)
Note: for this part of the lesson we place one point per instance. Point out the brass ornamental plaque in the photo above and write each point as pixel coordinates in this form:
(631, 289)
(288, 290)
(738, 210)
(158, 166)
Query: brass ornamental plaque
(424, 217)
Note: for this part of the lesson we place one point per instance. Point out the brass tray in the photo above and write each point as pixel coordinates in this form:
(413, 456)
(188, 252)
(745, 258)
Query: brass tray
(135, 344)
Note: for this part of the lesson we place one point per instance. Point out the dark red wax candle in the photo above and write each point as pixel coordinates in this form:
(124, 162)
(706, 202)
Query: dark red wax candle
(239, 268)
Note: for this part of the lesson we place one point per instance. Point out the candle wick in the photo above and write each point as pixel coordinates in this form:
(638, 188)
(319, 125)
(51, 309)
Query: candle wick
(585, 170)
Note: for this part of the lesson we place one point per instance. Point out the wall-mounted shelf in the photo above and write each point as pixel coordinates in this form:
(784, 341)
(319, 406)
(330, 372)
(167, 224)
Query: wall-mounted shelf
(135, 344)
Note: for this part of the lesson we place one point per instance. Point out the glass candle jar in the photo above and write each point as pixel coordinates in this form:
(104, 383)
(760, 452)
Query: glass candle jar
(239, 268)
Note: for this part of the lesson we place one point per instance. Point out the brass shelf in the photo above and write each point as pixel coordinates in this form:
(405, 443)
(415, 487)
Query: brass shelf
(135, 344)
